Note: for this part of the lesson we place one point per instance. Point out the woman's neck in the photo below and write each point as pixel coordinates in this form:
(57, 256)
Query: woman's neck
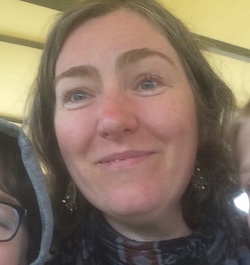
(165, 227)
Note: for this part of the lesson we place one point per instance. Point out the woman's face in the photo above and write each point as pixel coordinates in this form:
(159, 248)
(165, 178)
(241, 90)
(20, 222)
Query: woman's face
(243, 150)
(125, 118)
(14, 252)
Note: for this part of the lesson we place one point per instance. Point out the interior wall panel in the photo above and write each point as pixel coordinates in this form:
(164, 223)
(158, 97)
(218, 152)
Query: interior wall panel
(225, 20)
(18, 66)
(24, 20)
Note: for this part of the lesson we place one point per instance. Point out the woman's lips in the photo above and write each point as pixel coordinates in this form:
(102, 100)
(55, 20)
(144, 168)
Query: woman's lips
(124, 160)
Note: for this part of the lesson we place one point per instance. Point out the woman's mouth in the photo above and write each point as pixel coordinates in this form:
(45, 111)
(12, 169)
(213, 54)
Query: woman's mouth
(124, 160)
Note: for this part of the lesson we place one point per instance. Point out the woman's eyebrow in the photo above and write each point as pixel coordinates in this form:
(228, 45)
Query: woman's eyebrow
(122, 61)
(77, 71)
(139, 54)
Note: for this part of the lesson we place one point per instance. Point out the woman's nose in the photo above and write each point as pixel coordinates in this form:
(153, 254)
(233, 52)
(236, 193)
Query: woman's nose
(116, 116)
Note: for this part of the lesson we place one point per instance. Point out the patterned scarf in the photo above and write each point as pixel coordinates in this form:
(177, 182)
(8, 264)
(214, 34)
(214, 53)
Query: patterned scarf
(96, 243)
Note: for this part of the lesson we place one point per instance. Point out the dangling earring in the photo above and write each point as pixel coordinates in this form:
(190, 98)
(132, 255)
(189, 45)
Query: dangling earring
(70, 198)
(198, 180)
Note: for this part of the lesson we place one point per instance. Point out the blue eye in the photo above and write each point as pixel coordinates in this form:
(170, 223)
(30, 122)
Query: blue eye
(78, 96)
(148, 85)
(75, 95)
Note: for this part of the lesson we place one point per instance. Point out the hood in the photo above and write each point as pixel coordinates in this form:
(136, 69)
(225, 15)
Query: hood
(38, 181)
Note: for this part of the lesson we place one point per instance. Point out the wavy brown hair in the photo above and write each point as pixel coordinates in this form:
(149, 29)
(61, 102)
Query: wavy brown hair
(214, 103)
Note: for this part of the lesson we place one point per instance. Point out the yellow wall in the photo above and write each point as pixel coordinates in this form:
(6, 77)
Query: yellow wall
(18, 67)
(18, 63)
(25, 20)
(236, 74)
(225, 20)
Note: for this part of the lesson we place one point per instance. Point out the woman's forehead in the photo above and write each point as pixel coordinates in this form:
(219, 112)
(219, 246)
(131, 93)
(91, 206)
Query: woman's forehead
(115, 33)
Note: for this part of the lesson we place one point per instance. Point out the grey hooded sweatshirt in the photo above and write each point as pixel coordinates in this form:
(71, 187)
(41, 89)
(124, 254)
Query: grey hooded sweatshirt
(39, 184)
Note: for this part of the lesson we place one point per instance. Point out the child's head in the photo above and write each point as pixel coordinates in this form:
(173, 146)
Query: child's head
(26, 221)
(16, 189)
(241, 146)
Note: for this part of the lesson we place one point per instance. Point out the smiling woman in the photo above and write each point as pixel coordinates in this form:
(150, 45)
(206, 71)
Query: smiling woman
(129, 120)
(135, 140)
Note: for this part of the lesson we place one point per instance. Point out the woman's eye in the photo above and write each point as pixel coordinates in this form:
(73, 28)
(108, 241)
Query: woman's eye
(148, 84)
(78, 96)
(75, 95)
(75, 98)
